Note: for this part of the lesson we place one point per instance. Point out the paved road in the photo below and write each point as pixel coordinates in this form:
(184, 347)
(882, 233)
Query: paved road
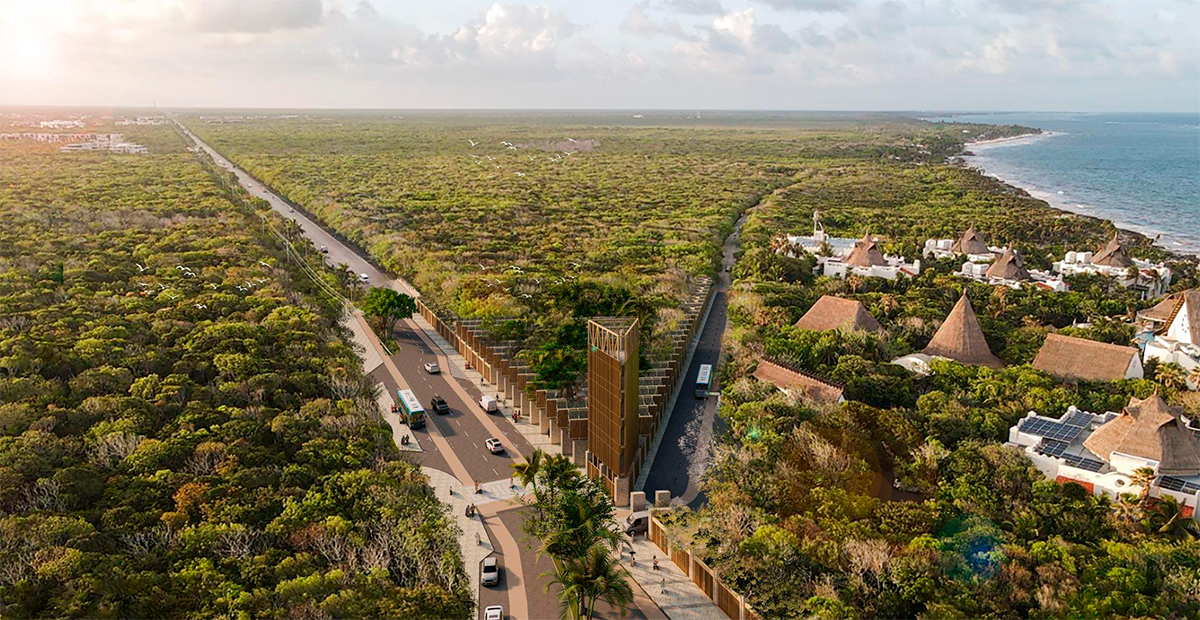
(685, 448)
(464, 429)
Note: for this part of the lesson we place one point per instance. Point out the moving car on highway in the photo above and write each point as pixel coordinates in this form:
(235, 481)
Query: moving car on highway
(432, 368)
(494, 446)
(438, 405)
(490, 574)
(489, 404)
(495, 612)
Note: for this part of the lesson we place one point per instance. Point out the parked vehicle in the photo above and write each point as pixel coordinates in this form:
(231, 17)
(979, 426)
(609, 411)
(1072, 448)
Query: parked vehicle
(489, 404)
(432, 368)
(364, 277)
(490, 574)
(495, 612)
(494, 446)
(637, 523)
(703, 380)
(438, 405)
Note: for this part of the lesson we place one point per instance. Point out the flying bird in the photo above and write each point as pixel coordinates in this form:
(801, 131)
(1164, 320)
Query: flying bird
(512, 148)
(527, 296)
(241, 288)
(189, 274)
(264, 263)
(162, 287)
(200, 306)
(576, 265)
(140, 267)
(531, 158)
(172, 297)
(212, 286)
(497, 166)
(473, 143)
(260, 280)
(570, 139)
(520, 174)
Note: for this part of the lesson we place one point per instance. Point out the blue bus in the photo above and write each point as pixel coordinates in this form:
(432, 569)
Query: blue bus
(411, 411)
(703, 380)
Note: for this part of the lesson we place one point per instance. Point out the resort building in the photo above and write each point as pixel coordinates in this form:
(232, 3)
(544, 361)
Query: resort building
(971, 244)
(1113, 260)
(1103, 452)
(1087, 360)
(1009, 270)
(613, 443)
(1177, 340)
(798, 383)
(959, 338)
(838, 257)
(830, 313)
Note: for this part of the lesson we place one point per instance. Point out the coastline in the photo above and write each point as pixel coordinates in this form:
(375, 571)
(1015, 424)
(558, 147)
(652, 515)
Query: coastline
(1055, 201)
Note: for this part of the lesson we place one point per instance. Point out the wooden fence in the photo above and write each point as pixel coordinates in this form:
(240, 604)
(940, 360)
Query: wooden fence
(731, 603)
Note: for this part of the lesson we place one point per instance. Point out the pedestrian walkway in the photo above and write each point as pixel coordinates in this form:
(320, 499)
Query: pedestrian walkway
(472, 537)
(670, 589)
(458, 369)
(501, 490)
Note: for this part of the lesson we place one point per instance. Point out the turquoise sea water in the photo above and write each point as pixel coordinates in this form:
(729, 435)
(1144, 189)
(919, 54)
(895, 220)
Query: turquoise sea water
(1142, 171)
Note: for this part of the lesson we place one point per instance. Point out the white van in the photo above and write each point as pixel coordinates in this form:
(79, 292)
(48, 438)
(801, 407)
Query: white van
(489, 404)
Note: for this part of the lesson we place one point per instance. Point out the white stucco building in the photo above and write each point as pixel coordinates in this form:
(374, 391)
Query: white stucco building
(1149, 279)
(1103, 452)
(1177, 339)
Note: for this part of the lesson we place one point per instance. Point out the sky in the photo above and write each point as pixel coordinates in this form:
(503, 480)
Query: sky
(1028, 55)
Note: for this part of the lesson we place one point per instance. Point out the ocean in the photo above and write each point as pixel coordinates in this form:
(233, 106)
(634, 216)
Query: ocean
(1141, 171)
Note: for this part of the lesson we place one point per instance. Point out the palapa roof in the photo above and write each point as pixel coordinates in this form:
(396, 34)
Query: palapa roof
(971, 242)
(835, 313)
(1151, 429)
(866, 253)
(1163, 310)
(1113, 255)
(1080, 358)
(789, 378)
(1010, 266)
(961, 339)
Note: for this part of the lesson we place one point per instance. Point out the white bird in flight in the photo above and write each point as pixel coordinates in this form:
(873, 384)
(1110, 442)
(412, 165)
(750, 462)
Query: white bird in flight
(520, 174)
(200, 306)
(570, 139)
(473, 143)
(212, 286)
(531, 158)
(140, 267)
(172, 297)
(241, 288)
(264, 263)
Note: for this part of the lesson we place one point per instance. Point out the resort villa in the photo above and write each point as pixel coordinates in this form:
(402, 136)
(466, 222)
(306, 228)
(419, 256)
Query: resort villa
(1175, 332)
(971, 244)
(830, 313)
(1087, 360)
(1009, 270)
(1113, 260)
(838, 257)
(1104, 452)
(959, 338)
(798, 383)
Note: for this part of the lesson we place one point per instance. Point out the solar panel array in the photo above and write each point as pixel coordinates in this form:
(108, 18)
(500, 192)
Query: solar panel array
(1052, 447)
(1172, 483)
(1083, 462)
(1066, 430)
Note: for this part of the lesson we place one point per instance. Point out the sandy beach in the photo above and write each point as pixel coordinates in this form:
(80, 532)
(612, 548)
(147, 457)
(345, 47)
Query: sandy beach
(1021, 137)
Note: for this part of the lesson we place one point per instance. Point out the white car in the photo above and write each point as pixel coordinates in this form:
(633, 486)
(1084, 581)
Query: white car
(432, 368)
(364, 277)
(495, 612)
(494, 446)
(324, 249)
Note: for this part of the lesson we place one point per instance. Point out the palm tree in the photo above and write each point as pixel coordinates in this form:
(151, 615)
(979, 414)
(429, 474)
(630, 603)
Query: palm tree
(1193, 377)
(1144, 476)
(1166, 518)
(595, 576)
(527, 472)
(1170, 375)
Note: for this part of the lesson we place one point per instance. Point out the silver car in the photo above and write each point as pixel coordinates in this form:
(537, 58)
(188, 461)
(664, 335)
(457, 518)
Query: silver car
(490, 574)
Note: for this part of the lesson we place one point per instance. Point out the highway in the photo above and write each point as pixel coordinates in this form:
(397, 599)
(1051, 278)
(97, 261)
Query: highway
(462, 431)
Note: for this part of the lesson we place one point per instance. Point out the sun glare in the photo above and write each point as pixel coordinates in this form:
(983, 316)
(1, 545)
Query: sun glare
(28, 55)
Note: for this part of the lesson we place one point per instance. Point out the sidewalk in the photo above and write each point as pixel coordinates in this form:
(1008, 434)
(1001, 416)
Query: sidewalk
(457, 366)
(449, 490)
(670, 589)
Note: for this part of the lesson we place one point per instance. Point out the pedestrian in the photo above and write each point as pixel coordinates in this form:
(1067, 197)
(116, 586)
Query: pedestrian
(477, 491)
(656, 562)
(478, 541)
(662, 588)
(632, 558)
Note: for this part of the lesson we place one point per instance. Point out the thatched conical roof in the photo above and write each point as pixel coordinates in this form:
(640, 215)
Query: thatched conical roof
(1151, 429)
(835, 312)
(971, 242)
(1010, 266)
(866, 253)
(1113, 255)
(961, 339)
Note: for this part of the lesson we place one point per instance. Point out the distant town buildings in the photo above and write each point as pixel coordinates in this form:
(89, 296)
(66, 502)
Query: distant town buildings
(1104, 452)
(959, 338)
(1175, 332)
(971, 244)
(143, 120)
(61, 124)
(1088, 360)
(112, 142)
(1113, 260)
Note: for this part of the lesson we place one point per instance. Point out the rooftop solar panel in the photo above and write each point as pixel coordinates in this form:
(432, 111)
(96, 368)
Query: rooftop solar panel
(1180, 485)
